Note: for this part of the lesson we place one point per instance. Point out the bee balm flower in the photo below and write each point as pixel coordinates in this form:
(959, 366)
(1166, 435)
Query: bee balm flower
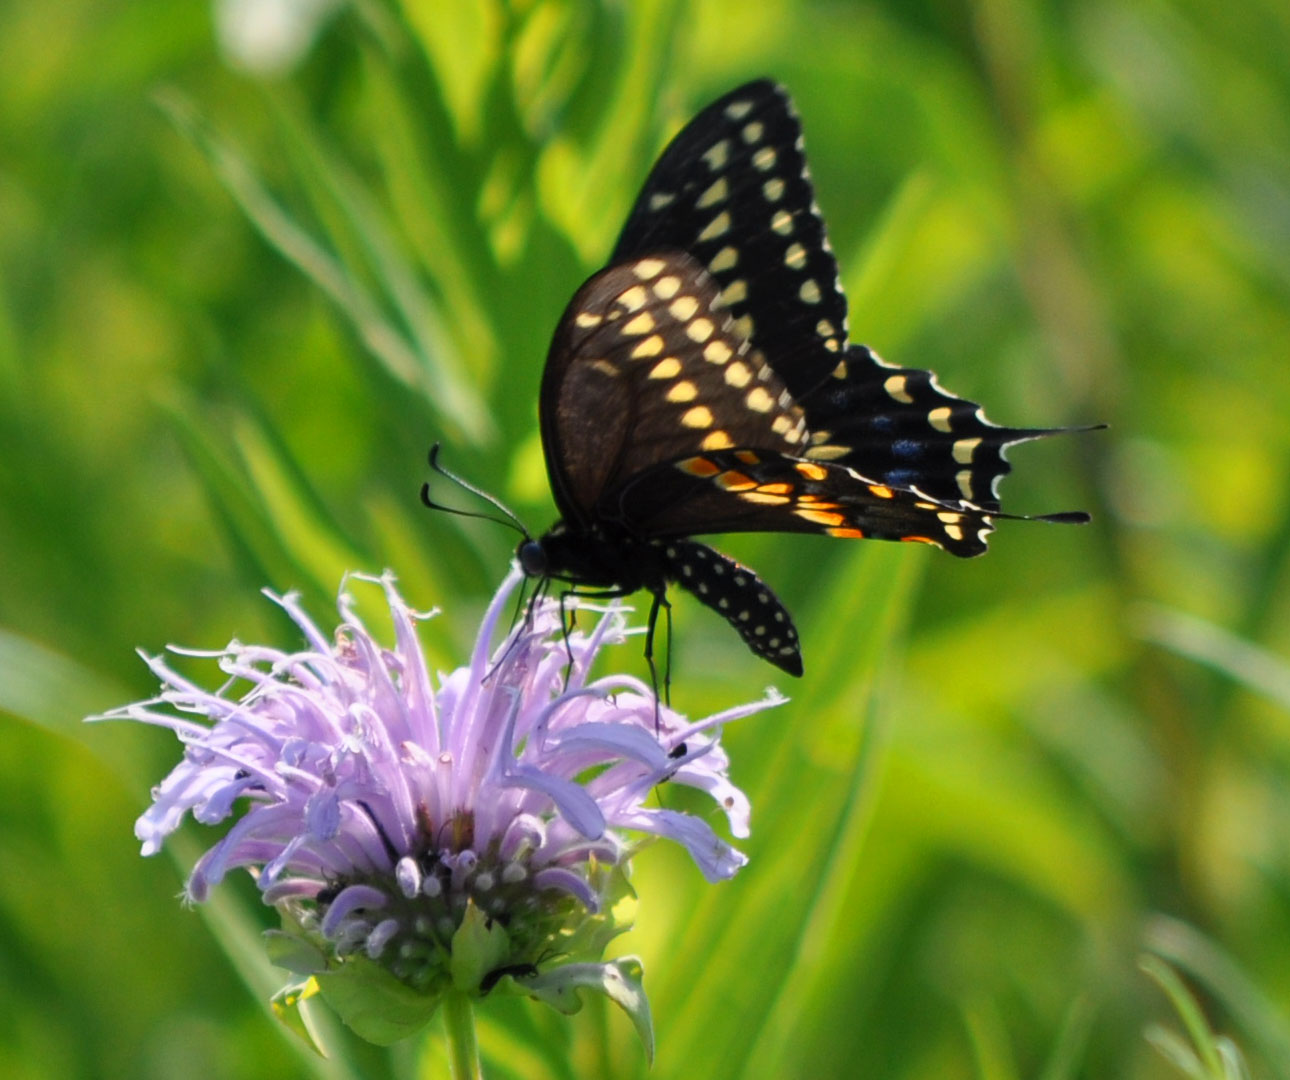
(437, 834)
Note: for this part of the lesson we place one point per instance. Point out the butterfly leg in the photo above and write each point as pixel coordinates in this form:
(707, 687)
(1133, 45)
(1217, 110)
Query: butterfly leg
(569, 621)
(538, 593)
(660, 601)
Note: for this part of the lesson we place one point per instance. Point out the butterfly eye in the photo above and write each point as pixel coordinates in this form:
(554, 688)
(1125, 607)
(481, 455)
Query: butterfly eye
(532, 558)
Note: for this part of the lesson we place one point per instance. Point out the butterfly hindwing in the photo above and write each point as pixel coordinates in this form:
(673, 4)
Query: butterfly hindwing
(758, 491)
(900, 427)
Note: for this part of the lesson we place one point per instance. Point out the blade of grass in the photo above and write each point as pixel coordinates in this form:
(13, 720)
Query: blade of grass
(443, 372)
(1217, 648)
(796, 852)
(399, 357)
(1072, 1040)
(989, 1040)
(1187, 1008)
(249, 526)
(1189, 950)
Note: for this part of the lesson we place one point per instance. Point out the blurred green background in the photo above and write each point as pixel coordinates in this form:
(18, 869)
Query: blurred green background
(247, 278)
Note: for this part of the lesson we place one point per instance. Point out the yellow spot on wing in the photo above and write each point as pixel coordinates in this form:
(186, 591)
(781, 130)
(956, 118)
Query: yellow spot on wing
(698, 417)
(820, 517)
(698, 466)
(764, 158)
(634, 298)
(810, 291)
(846, 534)
(715, 193)
(964, 449)
(827, 453)
(606, 368)
(895, 387)
(940, 418)
(717, 352)
(773, 190)
(684, 390)
(754, 131)
(735, 481)
(795, 256)
(724, 259)
(642, 324)
(683, 308)
(648, 268)
(718, 226)
(666, 368)
(717, 155)
(588, 319)
(734, 293)
(667, 287)
(760, 497)
(782, 222)
(812, 472)
(699, 330)
(775, 489)
(964, 480)
(651, 346)
(759, 401)
(716, 440)
(881, 491)
(737, 374)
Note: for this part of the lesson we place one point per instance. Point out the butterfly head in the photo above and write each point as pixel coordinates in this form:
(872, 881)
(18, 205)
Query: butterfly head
(532, 558)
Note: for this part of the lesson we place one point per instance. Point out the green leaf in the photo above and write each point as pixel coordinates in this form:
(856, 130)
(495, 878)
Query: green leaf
(374, 1004)
(619, 980)
(294, 953)
(479, 946)
(288, 1006)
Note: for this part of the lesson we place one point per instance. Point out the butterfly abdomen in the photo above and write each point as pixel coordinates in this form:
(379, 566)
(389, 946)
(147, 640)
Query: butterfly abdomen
(739, 596)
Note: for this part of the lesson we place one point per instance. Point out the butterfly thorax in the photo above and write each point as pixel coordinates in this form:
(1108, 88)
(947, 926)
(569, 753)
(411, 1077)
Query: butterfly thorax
(595, 558)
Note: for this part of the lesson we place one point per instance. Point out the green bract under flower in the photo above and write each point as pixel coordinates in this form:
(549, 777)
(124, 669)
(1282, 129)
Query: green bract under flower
(469, 833)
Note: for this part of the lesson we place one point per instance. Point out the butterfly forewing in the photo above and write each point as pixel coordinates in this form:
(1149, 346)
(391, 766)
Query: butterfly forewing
(648, 367)
(733, 190)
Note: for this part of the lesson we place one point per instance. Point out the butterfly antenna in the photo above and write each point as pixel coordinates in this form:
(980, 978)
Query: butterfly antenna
(509, 519)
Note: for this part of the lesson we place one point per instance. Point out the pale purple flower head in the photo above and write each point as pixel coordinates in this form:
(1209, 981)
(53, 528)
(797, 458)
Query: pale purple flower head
(378, 804)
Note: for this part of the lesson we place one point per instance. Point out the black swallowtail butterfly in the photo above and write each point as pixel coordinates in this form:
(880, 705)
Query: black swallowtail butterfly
(703, 382)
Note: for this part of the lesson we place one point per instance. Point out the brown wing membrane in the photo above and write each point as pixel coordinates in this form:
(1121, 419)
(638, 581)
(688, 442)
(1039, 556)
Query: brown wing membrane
(647, 367)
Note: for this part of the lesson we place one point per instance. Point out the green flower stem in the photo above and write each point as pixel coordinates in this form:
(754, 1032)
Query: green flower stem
(462, 1047)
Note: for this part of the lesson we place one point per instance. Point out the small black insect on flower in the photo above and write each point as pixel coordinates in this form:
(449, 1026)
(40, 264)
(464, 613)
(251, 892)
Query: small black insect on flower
(704, 382)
